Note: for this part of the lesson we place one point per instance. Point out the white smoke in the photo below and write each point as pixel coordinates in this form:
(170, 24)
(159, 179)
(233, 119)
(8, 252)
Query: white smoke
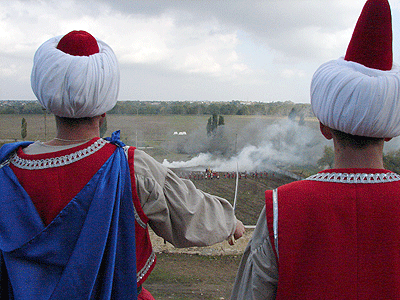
(393, 145)
(261, 147)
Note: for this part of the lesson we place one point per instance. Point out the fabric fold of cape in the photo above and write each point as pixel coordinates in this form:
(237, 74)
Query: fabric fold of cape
(87, 252)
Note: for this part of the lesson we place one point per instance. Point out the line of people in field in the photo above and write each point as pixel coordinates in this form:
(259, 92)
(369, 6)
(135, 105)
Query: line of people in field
(210, 174)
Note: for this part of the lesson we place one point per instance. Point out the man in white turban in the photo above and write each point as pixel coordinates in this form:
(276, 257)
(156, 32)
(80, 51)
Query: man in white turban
(76, 209)
(335, 235)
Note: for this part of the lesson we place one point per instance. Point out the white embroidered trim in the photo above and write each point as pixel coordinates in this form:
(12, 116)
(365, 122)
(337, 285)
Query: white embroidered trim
(139, 220)
(40, 164)
(355, 177)
(275, 221)
(126, 149)
(140, 274)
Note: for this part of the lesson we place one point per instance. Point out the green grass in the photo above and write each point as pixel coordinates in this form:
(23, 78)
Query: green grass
(183, 276)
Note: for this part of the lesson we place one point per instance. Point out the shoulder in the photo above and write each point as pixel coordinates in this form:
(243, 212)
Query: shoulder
(146, 166)
(7, 149)
(295, 187)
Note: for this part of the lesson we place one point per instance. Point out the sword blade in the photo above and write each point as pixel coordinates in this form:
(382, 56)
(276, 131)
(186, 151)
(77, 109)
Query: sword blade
(236, 187)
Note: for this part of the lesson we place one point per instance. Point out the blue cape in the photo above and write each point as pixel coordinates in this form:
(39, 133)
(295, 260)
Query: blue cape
(86, 252)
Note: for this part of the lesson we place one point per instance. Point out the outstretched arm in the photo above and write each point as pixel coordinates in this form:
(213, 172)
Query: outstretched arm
(179, 212)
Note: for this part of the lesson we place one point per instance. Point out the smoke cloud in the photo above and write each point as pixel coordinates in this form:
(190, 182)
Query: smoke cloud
(257, 147)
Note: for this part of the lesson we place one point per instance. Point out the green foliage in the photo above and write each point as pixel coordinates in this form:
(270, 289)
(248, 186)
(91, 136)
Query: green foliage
(293, 114)
(24, 126)
(221, 121)
(213, 123)
(209, 127)
(392, 161)
(177, 108)
(327, 159)
(103, 128)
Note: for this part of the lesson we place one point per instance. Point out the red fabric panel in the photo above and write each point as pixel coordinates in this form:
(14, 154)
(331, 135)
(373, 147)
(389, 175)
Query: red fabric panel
(339, 240)
(145, 295)
(371, 43)
(144, 247)
(59, 184)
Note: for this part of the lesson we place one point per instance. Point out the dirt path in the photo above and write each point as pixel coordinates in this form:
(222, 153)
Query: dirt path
(223, 248)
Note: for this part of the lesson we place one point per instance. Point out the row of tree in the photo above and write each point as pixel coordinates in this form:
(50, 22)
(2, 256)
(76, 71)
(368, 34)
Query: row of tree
(178, 108)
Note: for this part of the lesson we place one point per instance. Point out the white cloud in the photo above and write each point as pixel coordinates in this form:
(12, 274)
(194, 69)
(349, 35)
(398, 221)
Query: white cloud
(8, 70)
(292, 73)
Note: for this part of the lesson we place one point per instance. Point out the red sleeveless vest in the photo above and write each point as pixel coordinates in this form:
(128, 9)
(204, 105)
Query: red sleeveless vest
(338, 240)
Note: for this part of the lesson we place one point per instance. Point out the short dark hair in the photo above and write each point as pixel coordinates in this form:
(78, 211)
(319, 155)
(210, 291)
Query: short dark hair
(355, 141)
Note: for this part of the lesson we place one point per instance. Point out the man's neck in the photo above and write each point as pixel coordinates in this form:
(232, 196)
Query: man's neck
(79, 132)
(368, 158)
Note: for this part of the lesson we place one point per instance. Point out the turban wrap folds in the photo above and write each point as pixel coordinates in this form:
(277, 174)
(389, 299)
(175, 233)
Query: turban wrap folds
(358, 100)
(75, 86)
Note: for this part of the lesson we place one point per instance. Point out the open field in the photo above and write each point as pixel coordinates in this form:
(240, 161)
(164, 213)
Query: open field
(155, 132)
(192, 277)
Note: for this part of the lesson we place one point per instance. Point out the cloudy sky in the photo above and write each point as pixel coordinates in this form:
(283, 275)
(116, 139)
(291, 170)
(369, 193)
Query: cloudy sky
(190, 49)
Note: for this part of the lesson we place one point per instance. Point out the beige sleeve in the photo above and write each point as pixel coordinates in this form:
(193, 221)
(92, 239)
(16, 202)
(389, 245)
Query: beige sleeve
(179, 212)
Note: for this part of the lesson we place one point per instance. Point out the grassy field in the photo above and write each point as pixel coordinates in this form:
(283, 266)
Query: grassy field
(152, 132)
(194, 277)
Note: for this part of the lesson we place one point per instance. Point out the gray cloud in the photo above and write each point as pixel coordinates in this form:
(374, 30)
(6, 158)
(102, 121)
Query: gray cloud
(292, 27)
(188, 50)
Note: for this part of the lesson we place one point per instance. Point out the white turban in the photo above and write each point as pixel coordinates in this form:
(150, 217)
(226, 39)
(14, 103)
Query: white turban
(357, 100)
(75, 86)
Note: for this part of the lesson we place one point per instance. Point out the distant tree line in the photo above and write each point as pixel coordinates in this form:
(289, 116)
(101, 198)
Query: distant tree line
(20, 107)
(211, 108)
(179, 108)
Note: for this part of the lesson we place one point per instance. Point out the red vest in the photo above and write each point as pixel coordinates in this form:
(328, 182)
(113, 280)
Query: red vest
(338, 240)
(62, 183)
(145, 257)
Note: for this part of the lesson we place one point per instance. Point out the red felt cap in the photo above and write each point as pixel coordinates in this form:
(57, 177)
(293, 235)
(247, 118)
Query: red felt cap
(78, 43)
(372, 42)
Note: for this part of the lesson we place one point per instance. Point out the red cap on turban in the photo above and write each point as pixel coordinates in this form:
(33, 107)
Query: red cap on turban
(371, 43)
(78, 43)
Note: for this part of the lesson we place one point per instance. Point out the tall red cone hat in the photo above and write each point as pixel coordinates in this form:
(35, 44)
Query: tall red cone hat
(78, 43)
(372, 42)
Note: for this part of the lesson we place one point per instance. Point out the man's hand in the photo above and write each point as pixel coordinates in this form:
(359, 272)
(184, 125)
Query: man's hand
(239, 231)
